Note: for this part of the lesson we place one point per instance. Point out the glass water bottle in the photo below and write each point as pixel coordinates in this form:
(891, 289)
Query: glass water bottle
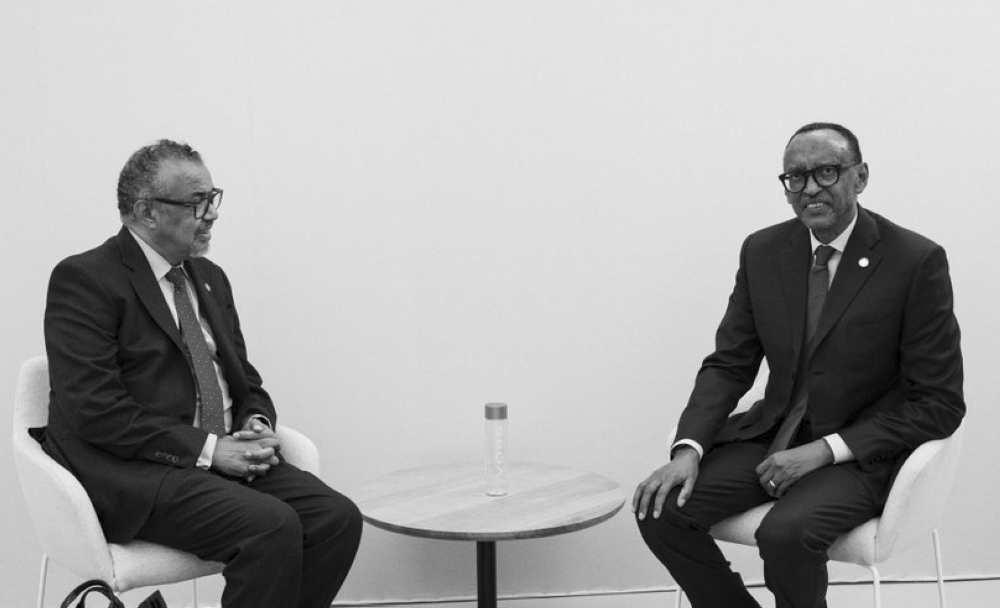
(496, 449)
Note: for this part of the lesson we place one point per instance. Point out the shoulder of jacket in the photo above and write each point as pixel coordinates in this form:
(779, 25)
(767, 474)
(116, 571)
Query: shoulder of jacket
(893, 234)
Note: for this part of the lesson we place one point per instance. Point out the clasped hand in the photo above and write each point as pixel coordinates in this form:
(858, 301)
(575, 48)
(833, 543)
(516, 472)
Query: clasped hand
(248, 453)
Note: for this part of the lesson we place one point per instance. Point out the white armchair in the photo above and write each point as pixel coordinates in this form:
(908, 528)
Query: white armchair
(915, 504)
(64, 517)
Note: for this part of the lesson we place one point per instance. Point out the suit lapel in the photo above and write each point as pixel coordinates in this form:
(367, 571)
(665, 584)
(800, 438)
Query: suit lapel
(856, 265)
(207, 305)
(795, 284)
(146, 288)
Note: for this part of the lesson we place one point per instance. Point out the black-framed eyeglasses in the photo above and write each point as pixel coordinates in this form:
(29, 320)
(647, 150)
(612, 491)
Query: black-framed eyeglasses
(200, 206)
(824, 175)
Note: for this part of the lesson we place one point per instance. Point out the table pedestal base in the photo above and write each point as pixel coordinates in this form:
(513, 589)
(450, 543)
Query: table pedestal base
(486, 573)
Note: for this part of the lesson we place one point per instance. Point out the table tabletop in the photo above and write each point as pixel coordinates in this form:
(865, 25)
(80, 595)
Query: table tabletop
(449, 502)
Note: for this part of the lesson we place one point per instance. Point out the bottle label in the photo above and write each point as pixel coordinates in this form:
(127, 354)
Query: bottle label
(496, 477)
(498, 451)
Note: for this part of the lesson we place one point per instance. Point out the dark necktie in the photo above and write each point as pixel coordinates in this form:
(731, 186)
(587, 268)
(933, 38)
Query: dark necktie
(819, 284)
(212, 416)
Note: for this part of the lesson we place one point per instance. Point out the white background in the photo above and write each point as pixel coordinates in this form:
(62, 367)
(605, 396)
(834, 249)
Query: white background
(433, 205)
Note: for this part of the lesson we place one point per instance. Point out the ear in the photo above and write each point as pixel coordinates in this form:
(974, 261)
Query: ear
(861, 181)
(143, 211)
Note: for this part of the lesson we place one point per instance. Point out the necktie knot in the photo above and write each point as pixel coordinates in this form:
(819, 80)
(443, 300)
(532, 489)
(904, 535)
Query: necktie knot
(823, 255)
(176, 276)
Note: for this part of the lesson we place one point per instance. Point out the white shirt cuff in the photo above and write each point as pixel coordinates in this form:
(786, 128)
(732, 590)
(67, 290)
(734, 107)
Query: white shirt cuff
(207, 451)
(258, 417)
(690, 443)
(841, 453)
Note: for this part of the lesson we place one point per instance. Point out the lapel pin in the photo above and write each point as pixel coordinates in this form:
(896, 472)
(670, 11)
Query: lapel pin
(863, 262)
(208, 288)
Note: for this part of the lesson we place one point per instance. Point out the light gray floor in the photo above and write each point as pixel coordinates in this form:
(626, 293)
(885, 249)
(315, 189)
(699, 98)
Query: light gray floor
(972, 594)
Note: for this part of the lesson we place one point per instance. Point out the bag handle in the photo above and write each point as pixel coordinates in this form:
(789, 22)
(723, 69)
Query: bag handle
(93, 586)
(153, 601)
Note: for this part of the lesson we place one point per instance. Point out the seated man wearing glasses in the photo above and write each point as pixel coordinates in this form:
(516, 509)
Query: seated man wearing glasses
(854, 316)
(158, 412)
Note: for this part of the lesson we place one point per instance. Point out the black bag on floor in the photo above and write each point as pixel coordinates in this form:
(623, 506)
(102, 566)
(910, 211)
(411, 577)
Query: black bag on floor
(103, 589)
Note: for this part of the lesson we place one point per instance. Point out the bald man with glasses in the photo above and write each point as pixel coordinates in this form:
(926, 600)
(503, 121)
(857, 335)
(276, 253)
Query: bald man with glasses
(854, 316)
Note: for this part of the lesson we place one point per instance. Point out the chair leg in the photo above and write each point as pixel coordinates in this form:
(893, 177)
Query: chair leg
(43, 576)
(876, 586)
(679, 597)
(194, 591)
(940, 568)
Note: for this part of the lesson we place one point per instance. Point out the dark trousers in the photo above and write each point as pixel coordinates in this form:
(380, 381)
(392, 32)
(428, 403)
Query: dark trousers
(287, 539)
(792, 539)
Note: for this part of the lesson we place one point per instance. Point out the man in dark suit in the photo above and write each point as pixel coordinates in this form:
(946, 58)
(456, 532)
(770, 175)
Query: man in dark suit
(158, 412)
(865, 364)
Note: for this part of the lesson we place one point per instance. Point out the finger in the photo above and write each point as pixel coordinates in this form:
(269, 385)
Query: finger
(661, 497)
(635, 498)
(644, 501)
(763, 467)
(770, 486)
(259, 455)
(784, 487)
(685, 493)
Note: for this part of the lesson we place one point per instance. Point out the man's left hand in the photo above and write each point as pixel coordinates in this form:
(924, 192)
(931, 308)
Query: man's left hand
(781, 470)
(260, 461)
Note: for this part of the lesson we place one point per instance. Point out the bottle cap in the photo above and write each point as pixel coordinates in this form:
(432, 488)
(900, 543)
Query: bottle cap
(496, 411)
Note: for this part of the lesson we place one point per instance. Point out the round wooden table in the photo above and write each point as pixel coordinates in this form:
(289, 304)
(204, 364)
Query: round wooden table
(449, 502)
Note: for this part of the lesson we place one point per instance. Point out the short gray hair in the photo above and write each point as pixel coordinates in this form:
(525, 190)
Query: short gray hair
(139, 173)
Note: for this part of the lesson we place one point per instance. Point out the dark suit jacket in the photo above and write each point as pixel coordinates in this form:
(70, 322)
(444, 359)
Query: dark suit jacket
(885, 367)
(123, 391)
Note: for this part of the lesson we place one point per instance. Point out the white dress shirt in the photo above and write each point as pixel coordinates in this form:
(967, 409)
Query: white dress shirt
(161, 267)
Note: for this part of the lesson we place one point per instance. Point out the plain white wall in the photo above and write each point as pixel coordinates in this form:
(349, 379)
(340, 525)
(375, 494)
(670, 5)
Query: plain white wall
(432, 205)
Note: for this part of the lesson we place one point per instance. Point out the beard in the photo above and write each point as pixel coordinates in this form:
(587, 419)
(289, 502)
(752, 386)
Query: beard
(199, 249)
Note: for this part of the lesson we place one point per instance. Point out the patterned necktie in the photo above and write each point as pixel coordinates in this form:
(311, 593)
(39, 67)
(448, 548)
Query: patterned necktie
(819, 284)
(212, 416)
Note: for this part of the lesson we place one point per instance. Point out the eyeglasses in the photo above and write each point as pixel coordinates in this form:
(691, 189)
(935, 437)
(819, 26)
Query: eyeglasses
(200, 206)
(824, 175)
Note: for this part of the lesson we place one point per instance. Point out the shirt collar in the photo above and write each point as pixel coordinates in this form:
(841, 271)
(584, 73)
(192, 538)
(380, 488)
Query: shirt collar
(839, 243)
(157, 262)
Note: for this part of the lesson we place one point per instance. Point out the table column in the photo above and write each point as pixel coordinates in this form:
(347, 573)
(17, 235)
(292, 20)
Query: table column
(486, 575)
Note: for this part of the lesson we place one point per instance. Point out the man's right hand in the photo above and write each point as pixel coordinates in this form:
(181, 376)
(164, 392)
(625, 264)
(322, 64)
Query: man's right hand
(245, 458)
(682, 471)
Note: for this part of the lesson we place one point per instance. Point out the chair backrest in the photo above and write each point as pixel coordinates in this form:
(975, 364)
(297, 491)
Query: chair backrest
(31, 401)
(918, 495)
(63, 516)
